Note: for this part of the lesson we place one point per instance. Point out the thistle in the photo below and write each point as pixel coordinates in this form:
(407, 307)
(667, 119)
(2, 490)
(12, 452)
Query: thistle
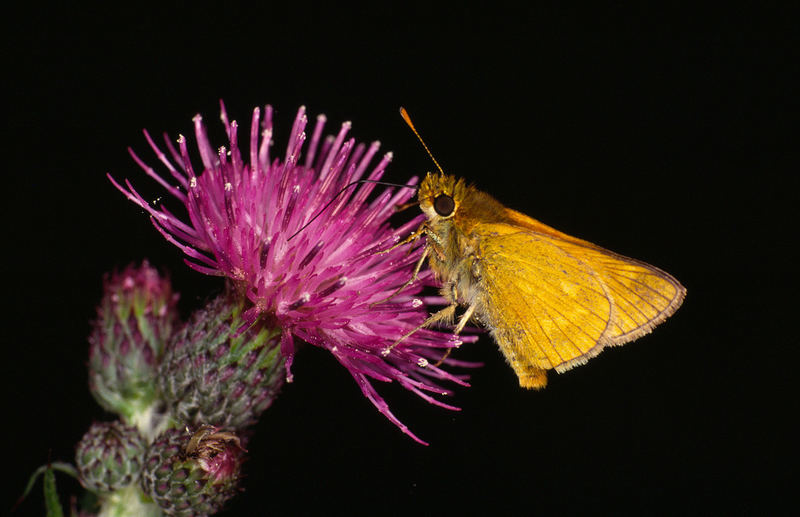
(314, 259)
(109, 457)
(136, 317)
(193, 473)
(213, 374)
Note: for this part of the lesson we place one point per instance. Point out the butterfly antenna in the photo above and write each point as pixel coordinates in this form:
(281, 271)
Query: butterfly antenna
(407, 118)
(334, 198)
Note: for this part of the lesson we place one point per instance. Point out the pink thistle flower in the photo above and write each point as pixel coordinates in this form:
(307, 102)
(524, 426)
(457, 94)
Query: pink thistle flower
(325, 283)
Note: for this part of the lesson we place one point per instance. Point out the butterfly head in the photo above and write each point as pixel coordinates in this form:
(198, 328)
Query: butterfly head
(440, 195)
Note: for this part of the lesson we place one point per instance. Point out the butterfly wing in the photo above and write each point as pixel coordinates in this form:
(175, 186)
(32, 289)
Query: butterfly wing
(553, 301)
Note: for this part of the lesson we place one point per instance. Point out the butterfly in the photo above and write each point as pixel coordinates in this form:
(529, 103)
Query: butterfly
(551, 301)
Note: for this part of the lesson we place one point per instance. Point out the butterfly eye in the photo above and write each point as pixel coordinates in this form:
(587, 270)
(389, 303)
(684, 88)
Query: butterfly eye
(444, 205)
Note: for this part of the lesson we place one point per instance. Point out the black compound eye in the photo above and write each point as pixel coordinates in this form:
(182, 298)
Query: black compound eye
(444, 205)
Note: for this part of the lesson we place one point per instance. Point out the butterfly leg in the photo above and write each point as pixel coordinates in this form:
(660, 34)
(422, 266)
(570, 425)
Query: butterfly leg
(423, 228)
(461, 323)
(405, 206)
(409, 282)
(464, 319)
(445, 314)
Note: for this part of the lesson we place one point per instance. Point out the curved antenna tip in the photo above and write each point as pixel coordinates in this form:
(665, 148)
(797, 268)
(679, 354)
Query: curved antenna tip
(407, 118)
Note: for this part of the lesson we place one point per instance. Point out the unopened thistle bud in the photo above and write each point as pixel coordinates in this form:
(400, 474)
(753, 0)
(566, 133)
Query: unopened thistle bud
(135, 319)
(193, 472)
(109, 457)
(214, 373)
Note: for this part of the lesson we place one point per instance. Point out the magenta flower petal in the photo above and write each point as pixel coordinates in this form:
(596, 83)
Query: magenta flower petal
(325, 283)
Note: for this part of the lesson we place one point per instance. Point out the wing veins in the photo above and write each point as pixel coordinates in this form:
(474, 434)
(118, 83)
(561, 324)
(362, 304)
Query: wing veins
(560, 295)
(539, 268)
(588, 309)
(579, 327)
(548, 308)
(635, 306)
(647, 286)
(555, 240)
(536, 343)
(544, 308)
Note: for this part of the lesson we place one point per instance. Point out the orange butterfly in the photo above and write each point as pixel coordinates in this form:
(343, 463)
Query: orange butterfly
(551, 301)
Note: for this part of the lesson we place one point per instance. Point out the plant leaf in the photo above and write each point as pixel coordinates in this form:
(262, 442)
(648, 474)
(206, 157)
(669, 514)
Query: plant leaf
(47, 470)
(51, 502)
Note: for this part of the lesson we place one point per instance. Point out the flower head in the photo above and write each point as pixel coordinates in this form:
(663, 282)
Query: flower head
(109, 456)
(308, 248)
(135, 319)
(193, 472)
(213, 375)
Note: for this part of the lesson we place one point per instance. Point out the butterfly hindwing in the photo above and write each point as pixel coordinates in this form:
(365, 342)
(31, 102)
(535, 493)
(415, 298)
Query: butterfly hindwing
(553, 301)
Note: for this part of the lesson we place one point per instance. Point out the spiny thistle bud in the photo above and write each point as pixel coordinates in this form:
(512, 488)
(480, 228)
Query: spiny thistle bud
(136, 318)
(211, 375)
(109, 457)
(193, 473)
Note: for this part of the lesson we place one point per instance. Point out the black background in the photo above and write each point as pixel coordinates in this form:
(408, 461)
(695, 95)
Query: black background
(664, 135)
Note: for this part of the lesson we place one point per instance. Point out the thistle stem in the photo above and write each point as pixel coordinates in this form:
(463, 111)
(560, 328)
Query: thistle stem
(129, 502)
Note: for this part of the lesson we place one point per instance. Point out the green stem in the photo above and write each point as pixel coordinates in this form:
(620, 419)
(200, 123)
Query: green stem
(129, 502)
(148, 421)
